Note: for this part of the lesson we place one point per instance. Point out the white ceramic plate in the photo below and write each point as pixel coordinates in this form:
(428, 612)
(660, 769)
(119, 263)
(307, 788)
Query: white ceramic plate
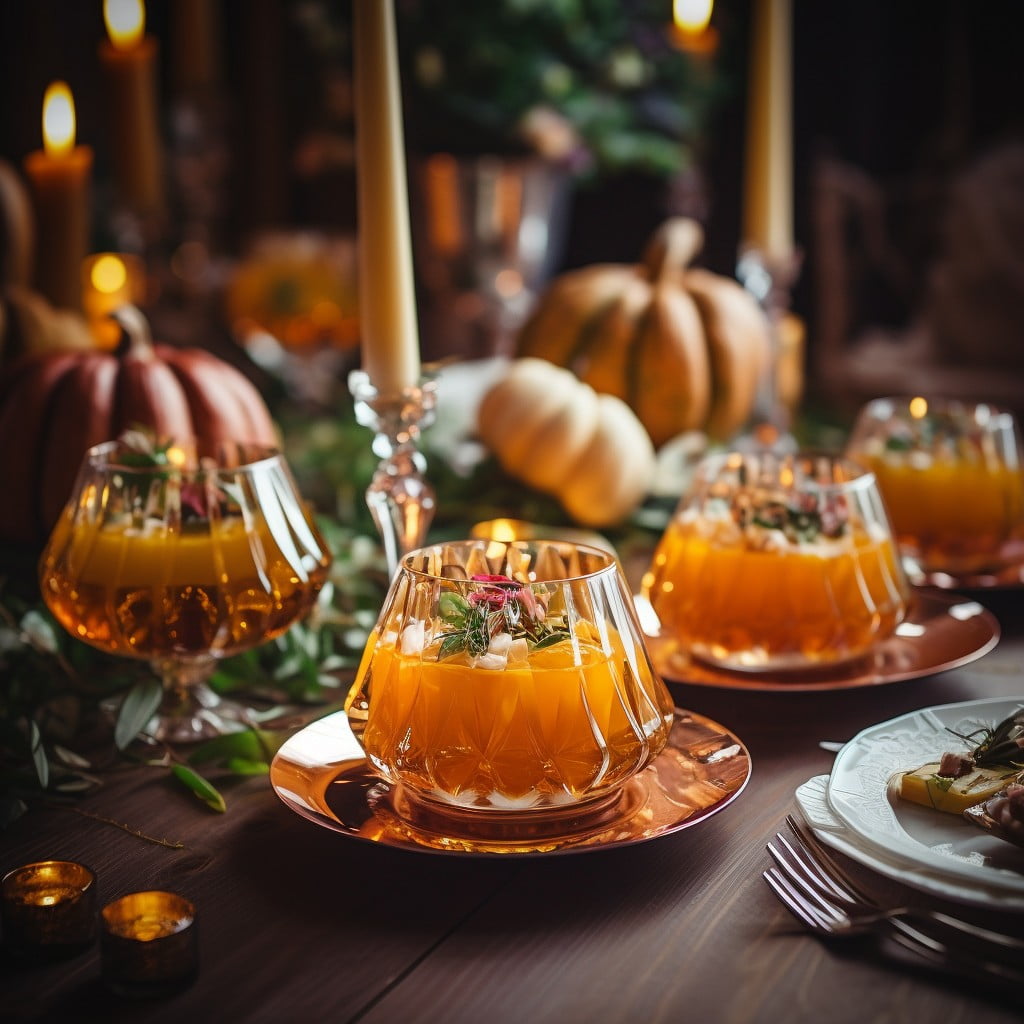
(929, 844)
(812, 799)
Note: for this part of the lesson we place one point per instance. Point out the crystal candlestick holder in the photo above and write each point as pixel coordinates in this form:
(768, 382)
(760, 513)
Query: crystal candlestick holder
(769, 279)
(399, 497)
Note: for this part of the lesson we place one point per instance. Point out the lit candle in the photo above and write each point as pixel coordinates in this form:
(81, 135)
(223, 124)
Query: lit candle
(110, 280)
(508, 530)
(691, 28)
(60, 176)
(768, 202)
(129, 62)
(149, 944)
(48, 909)
(387, 304)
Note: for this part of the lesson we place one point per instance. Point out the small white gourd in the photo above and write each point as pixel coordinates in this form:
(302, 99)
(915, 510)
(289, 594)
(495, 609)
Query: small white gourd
(555, 433)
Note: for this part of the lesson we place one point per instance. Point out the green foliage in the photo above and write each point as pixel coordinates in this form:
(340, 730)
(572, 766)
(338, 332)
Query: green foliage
(605, 69)
(54, 687)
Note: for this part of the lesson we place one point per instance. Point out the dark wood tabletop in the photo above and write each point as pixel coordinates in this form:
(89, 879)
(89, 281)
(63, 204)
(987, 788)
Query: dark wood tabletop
(299, 923)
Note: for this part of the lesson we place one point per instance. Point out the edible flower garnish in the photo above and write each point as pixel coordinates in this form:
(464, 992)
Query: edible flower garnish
(501, 606)
(800, 518)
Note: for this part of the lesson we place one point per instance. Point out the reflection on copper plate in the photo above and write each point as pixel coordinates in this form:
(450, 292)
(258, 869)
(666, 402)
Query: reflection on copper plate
(1009, 577)
(941, 631)
(321, 774)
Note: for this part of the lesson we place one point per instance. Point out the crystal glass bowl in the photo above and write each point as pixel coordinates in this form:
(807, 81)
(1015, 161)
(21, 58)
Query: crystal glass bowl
(508, 678)
(778, 562)
(950, 474)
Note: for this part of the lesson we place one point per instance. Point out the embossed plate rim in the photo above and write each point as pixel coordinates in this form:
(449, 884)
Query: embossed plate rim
(857, 793)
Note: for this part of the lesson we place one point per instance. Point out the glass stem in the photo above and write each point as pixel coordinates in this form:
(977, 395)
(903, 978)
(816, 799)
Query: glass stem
(184, 683)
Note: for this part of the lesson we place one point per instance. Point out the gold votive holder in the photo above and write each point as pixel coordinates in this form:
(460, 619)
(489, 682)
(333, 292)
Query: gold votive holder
(149, 944)
(48, 909)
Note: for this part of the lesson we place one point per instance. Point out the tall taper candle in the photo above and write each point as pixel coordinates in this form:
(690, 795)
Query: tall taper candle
(129, 60)
(768, 195)
(387, 299)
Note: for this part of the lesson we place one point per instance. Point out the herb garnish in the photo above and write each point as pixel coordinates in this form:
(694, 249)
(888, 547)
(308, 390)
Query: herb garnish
(502, 605)
(1002, 745)
(801, 518)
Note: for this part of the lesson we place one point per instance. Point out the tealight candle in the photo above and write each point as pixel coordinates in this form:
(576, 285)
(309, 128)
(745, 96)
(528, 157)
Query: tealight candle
(48, 909)
(506, 530)
(110, 280)
(149, 943)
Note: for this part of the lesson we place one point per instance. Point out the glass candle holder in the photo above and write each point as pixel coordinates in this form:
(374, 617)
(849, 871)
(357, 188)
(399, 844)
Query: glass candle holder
(778, 562)
(48, 909)
(149, 944)
(951, 476)
(508, 679)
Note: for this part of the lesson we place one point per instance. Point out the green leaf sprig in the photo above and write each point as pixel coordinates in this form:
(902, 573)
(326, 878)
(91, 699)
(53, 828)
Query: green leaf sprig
(501, 605)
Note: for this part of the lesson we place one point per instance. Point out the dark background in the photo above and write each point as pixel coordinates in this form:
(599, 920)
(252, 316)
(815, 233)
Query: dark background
(905, 91)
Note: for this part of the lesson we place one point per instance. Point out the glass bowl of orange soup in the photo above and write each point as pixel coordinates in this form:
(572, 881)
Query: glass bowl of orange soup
(777, 562)
(508, 678)
(950, 473)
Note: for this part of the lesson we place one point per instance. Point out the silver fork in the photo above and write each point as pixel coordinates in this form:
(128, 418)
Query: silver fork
(825, 915)
(810, 865)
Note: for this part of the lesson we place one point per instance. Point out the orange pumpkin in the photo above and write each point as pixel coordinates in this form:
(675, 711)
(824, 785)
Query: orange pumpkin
(686, 349)
(55, 405)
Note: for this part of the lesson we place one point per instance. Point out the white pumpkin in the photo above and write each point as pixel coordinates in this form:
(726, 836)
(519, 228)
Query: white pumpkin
(555, 433)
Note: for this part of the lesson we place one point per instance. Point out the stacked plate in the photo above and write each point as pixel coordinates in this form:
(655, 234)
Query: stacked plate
(934, 851)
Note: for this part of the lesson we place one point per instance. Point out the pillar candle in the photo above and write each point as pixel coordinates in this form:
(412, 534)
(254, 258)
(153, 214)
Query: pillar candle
(129, 60)
(768, 198)
(387, 303)
(60, 176)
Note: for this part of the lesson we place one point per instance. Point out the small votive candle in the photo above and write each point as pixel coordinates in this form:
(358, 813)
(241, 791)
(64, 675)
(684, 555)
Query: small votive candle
(48, 909)
(519, 529)
(149, 944)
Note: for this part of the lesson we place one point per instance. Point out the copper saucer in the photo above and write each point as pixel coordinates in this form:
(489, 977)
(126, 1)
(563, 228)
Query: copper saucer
(942, 631)
(321, 774)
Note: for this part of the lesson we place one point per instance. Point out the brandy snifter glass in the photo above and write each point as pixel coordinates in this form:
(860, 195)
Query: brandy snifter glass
(508, 679)
(181, 556)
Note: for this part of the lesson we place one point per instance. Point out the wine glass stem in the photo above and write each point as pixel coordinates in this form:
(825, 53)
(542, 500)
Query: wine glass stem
(184, 683)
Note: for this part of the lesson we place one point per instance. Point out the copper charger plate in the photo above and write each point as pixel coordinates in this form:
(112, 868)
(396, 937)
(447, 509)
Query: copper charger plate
(942, 631)
(321, 774)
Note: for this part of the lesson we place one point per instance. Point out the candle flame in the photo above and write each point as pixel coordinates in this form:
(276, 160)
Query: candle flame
(126, 22)
(177, 456)
(692, 15)
(58, 120)
(109, 274)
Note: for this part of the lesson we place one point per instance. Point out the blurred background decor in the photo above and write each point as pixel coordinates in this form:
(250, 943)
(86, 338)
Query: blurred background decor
(510, 106)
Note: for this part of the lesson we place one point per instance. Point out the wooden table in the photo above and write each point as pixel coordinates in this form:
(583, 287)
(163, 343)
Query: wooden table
(301, 924)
